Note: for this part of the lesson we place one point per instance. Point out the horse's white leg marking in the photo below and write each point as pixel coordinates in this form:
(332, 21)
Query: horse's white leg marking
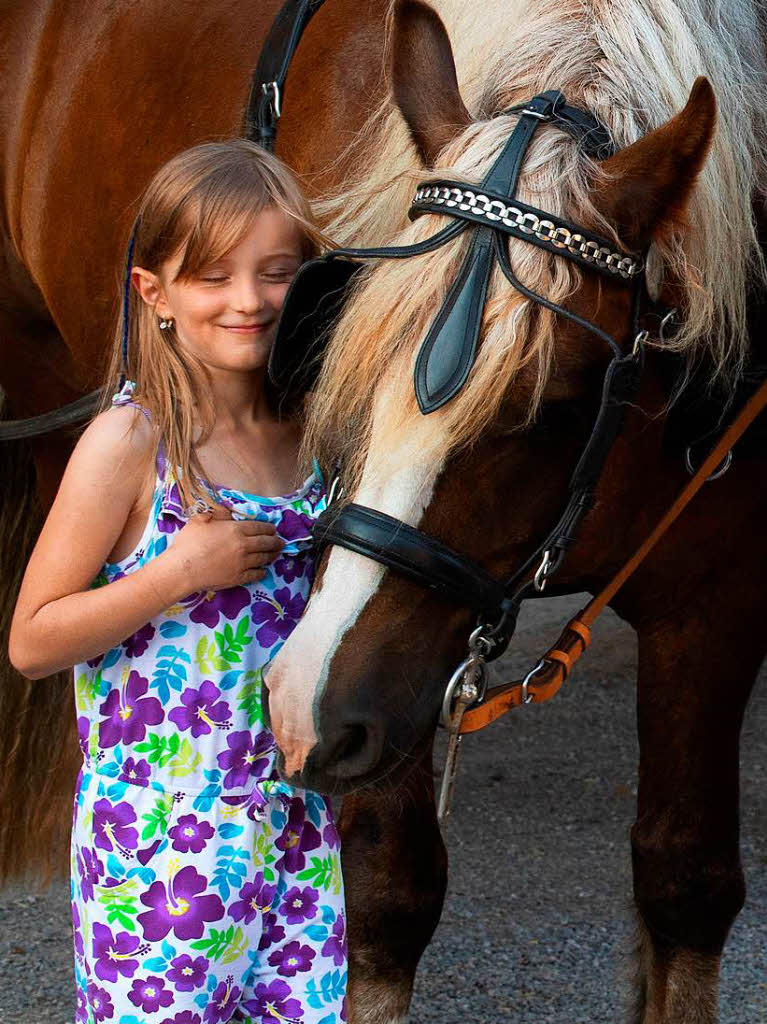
(400, 482)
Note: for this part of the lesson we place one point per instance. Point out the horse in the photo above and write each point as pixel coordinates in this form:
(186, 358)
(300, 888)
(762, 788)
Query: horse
(355, 693)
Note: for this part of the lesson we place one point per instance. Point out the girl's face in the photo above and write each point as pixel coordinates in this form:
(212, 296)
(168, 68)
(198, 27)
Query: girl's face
(227, 313)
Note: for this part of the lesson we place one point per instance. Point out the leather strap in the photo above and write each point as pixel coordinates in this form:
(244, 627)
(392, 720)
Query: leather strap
(267, 90)
(558, 662)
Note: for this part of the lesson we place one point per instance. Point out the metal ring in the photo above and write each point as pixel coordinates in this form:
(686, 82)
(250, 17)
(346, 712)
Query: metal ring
(665, 322)
(456, 680)
(480, 638)
(720, 470)
(527, 698)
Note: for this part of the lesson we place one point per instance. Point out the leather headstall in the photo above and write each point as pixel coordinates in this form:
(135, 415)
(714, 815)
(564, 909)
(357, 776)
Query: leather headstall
(490, 211)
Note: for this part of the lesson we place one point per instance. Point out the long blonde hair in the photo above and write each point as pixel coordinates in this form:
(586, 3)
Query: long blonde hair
(200, 204)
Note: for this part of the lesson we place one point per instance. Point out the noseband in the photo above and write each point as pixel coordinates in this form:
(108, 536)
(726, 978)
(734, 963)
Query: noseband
(491, 212)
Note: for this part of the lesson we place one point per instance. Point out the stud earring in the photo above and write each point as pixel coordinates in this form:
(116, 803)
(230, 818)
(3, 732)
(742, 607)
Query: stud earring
(166, 322)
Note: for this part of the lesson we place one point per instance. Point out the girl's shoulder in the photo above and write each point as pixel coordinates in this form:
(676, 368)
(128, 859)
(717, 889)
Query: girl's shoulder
(113, 453)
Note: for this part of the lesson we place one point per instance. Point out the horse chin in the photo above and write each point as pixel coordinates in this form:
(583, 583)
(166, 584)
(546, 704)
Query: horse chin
(336, 780)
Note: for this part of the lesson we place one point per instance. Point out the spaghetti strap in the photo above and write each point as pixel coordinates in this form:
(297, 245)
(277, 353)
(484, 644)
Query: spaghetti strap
(125, 397)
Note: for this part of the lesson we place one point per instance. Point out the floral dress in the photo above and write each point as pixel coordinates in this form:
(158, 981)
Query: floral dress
(204, 889)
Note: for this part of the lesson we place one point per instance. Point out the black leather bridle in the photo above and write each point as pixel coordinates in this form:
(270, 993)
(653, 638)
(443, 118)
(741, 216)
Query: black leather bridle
(447, 354)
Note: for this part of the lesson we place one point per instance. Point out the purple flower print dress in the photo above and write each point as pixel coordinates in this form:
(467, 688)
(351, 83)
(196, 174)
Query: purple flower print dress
(204, 889)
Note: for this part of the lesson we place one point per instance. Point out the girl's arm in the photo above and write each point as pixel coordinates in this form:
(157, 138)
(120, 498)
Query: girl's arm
(58, 620)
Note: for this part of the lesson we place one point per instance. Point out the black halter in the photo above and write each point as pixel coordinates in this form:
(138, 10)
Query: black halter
(447, 353)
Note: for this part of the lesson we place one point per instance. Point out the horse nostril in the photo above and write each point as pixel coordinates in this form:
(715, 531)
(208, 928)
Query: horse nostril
(356, 751)
(353, 744)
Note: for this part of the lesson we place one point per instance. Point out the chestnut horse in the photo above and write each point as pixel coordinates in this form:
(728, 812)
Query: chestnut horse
(354, 694)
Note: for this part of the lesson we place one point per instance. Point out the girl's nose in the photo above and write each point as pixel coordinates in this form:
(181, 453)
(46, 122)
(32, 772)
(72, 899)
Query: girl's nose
(248, 296)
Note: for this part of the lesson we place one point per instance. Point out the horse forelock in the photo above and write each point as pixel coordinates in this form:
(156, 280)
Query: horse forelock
(632, 66)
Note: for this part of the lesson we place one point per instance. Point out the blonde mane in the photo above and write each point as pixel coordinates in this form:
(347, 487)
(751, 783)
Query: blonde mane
(632, 65)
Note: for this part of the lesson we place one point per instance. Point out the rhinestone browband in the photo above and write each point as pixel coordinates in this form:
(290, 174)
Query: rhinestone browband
(524, 221)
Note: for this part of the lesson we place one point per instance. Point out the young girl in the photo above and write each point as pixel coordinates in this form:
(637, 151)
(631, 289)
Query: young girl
(204, 889)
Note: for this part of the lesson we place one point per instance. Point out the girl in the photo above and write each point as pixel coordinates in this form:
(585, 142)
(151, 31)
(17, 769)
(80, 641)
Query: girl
(204, 889)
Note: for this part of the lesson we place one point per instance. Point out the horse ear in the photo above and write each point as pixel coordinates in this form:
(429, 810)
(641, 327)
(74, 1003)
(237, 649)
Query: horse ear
(650, 181)
(424, 79)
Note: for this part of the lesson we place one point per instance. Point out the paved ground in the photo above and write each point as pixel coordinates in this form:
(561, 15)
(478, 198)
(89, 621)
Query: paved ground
(538, 912)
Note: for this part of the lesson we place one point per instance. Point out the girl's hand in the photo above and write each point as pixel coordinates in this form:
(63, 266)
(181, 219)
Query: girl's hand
(214, 551)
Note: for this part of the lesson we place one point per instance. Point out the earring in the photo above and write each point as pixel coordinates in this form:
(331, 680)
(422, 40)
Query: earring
(166, 322)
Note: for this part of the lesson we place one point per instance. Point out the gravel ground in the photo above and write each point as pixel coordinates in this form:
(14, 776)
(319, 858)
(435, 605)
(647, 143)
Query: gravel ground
(538, 918)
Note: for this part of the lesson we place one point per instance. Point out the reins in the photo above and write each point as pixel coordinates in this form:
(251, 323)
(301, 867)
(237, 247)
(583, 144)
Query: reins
(545, 680)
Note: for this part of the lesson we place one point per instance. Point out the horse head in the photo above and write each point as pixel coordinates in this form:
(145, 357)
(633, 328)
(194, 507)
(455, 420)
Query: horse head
(356, 690)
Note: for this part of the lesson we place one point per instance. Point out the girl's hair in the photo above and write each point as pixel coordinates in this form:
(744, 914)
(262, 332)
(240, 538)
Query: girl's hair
(201, 203)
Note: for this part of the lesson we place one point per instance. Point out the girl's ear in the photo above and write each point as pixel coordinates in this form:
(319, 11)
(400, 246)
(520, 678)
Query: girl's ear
(150, 289)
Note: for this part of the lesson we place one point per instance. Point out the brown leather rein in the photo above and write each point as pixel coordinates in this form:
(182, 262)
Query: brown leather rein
(555, 666)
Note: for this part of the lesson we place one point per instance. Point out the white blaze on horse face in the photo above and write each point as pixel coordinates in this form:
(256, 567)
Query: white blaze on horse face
(398, 479)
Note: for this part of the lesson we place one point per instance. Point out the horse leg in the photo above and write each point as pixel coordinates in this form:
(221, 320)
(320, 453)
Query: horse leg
(395, 873)
(688, 880)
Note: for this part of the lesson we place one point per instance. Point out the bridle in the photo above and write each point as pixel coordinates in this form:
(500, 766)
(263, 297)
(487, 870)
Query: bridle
(491, 212)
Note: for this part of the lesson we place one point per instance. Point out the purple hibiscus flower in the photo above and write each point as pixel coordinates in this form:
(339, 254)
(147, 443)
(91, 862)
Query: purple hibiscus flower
(186, 1017)
(330, 835)
(289, 567)
(90, 869)
(136, 645)
(200, 712)
(83, 733)
(278, 614)
(187, 974)
(298, 838)
(244, 758)
(189, 834)
(272, 932)
(206, 606)
(100, 1003)
(295, 526)
(114, 954)
(223, 1002)
(292, 959)
(127, 713)
(137, 772)
(111, 827)
(256, 898)
(336, 945)
(299, 905)
(149, 994)
(76, 926)
(180, 908)
(271, 1003)
(81, 1010)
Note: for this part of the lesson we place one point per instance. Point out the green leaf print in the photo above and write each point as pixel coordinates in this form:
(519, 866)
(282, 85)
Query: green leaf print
(186, 760)
(158, 817)
(238, 948)
(251, 697)
(230, 643)
(83, 693)
(120, 904)
(263, 853)
(217, 943)
(325, 873)
(208, 659)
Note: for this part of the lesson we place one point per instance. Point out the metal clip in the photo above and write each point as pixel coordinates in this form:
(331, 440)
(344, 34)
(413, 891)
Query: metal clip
(467, 686)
